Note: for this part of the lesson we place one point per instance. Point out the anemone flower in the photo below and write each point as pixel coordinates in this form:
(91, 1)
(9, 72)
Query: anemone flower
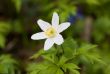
(51, 32)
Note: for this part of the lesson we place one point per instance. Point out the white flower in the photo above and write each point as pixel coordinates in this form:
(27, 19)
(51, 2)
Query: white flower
(51, 32)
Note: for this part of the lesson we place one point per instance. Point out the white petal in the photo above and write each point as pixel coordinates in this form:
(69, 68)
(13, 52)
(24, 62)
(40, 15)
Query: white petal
(43, 25)
(38, 36)
(58, 39)
(63, 26)
(55, 20)
(48, 44)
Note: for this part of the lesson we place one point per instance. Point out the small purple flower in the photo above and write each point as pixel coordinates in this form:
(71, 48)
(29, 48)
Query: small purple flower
(72, 18)
(79, 15)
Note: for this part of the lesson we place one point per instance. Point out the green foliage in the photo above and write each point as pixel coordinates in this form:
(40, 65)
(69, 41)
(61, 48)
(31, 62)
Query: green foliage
(17, 4)
(48, 68)
(101, 28)
(88, 54)
(107, 70)
(5, 28)
(17, 26)
(8, 65)
(60, 7)
(42, 68)
(70, 47)
(39, 53)
(2, 41)
(93, 2)
(59, 60)
(71, 67)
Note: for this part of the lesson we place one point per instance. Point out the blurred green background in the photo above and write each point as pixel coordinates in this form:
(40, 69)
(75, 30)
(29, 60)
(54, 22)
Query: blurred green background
(90, 23)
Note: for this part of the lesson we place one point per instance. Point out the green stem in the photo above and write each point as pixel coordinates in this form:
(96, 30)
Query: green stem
(62, 49)
(60, 52)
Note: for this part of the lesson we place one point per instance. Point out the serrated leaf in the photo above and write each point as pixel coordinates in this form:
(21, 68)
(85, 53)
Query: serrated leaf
(71, 67)
(85, 48)
(52, 69)
(87, 55)
(94, 58)
(75, 72)
(69, 42)
(49, 58)
(59, 71)
(42, 68)
(35, 68)
(10, 66)
(62, 60)
(69, 47)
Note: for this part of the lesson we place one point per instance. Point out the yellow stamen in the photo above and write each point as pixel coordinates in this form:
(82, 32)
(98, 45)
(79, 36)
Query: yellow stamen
(50, 32)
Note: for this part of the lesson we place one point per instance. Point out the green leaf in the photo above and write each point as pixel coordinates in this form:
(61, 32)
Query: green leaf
(75, 72)
(69, 47)
(2, 41)
(49, 58)
(59, 71)
(52, 69)
(5, 27)
(107, 70)
(62, 60)
(69, 42)
(17, 26)
(94, 58)
(42, 68)
(40, 52)
(85, 48)
(92, 2)
(71, 67)
(89, 55)
(9, 65)
(34, 72)
(1, 68)
(17, 4)
(36, 67)
(100, 28)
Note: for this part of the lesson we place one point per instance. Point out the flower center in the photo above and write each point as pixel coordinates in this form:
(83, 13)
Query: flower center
(50, 32)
